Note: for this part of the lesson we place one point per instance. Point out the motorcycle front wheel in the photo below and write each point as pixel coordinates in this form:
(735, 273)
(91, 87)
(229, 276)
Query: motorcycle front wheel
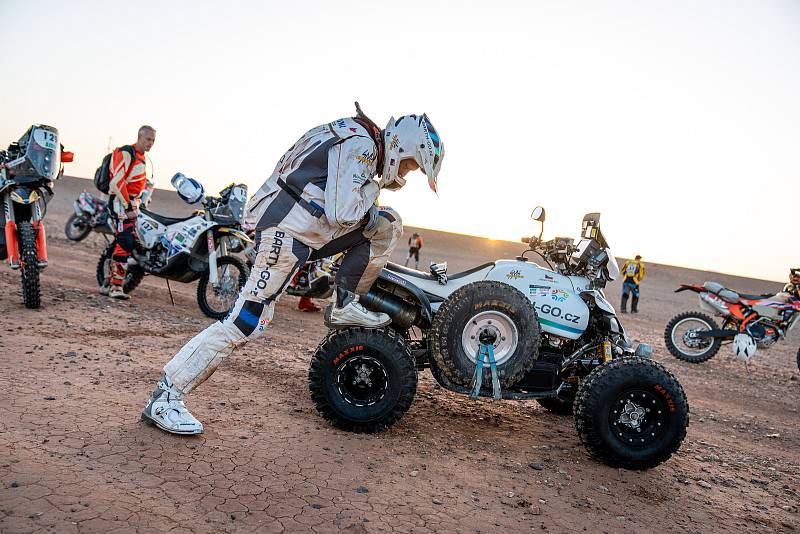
(216, 302)
(76, 228)
(31, 290)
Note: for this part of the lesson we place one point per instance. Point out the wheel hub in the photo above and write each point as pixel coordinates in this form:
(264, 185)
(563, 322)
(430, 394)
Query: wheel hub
(362, 380)
(493, 328)
(632, 415)
(638, 418)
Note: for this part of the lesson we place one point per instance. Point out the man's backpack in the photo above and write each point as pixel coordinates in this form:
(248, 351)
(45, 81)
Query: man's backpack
(102, 176)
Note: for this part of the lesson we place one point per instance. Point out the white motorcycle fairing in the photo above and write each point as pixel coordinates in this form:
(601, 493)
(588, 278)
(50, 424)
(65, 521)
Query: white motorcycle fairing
(177, 238)
(556, 297)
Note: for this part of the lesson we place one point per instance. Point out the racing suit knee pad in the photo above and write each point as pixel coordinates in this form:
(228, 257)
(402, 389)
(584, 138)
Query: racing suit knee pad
(387, 231)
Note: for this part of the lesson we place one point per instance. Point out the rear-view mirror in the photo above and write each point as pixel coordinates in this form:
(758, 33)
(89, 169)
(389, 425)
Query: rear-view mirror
(538, 214)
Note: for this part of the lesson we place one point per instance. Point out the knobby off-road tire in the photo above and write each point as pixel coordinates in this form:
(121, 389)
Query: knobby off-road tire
(31, 291)
(202, 286)
(676, 351)
(558, 405)
(475, 306)
(133, 277)
(75, 229)
(618, 395)
(362, 380)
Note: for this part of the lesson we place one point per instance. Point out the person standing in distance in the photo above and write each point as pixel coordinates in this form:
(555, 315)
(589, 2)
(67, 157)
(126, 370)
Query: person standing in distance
(633, 271)
(414, 245)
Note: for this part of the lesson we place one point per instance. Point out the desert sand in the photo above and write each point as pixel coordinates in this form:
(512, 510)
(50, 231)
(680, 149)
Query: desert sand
(76, 458)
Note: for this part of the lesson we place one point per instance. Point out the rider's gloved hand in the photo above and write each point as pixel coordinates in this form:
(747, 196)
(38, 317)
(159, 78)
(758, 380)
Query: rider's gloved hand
(372, 220)
(132, 214)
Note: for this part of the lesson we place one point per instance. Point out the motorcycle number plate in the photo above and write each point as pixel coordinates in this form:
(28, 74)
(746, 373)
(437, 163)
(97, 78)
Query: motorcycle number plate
(45, 139)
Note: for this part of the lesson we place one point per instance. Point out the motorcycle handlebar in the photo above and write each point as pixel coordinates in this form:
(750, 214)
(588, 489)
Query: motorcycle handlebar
(526, 239)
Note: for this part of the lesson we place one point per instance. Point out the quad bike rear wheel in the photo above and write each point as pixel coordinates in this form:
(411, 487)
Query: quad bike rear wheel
(631, 413)
(31, 290)
(485, 312)
(362, 380)
(681, 341)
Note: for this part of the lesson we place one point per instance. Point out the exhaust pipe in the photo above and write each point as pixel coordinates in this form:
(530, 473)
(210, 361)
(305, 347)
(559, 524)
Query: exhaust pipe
(403, 314)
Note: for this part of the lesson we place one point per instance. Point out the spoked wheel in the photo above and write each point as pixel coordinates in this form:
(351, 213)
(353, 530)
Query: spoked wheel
(362, 380)
(682, 340)
(31, 290)
(133, 277)
(217, 301)
(631, 413)
(76, 228)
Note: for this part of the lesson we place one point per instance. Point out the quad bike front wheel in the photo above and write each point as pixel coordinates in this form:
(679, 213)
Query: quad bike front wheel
(76, 229)
(133, 277)
(31, 290)
(681, 339)
(631, 413)
(232, 275)
(485, 312)
(362, 380)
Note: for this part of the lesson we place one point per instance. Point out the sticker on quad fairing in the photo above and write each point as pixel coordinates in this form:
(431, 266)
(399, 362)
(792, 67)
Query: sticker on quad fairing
(560, 310)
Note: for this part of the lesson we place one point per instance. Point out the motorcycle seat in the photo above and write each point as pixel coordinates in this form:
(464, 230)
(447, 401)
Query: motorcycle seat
(166, 221)
(731, 296)
(427, 276)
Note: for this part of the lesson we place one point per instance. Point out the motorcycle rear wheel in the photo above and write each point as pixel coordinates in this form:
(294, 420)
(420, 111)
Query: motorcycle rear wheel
(76, 229)
(31, 290)
(223, 264)
(674, 345)
(133, 278)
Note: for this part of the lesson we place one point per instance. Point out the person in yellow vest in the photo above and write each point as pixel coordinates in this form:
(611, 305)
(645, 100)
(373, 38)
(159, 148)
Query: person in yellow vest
(633, 271)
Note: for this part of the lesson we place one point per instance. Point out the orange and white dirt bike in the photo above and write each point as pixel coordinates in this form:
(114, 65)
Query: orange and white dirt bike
(748, 321)
(28, 169)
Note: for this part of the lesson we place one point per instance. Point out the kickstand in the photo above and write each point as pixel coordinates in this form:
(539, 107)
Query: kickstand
(170, 292)
(485, 352)
(747, 367)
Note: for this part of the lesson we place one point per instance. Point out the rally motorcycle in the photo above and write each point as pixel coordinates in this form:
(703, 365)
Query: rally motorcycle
(185, 249)
(28, 169)
(749, 321)
(510, 329)
(92, 214)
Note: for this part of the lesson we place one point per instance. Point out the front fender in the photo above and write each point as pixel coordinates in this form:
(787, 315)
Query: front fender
(600, 300)
(238, 233)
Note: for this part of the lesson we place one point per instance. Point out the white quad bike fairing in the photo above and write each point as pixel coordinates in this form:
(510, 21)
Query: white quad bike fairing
(556, 297)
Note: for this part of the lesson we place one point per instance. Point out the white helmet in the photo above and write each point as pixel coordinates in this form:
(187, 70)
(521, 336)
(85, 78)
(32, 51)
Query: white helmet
(411, 136)
(744, 346)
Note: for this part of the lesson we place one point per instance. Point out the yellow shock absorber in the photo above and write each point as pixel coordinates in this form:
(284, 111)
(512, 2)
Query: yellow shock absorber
(605, 352)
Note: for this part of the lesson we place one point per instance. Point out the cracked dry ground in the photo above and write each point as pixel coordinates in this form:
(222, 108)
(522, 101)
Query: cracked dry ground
(75, 457)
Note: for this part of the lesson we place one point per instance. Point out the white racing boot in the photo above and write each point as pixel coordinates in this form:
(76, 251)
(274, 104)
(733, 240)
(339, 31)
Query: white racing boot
(166, 410)
(348, 312)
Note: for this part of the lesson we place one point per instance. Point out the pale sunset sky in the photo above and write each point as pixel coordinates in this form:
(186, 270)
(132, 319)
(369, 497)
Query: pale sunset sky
(679, 121)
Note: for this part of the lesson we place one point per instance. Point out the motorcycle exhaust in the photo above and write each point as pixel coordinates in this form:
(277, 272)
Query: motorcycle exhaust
(403, 314)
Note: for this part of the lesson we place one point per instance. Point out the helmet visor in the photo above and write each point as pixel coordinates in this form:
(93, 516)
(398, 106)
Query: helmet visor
(435, 149)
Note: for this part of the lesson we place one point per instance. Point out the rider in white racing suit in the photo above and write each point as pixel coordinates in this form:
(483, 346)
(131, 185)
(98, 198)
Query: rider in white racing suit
(319, 200)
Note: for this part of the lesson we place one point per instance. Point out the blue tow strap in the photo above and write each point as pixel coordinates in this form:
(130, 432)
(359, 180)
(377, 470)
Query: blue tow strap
(485, 352)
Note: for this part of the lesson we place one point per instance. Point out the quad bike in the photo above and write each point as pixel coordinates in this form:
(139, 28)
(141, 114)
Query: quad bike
(509, 329)
(28, 169)
(92, 214)
(185, 249)
(748, 321)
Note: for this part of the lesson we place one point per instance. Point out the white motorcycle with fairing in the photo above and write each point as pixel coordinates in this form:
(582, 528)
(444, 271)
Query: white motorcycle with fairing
(510, 329)
(191, 248)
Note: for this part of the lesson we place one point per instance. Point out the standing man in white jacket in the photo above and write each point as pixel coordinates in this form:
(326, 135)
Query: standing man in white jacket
(319, 200)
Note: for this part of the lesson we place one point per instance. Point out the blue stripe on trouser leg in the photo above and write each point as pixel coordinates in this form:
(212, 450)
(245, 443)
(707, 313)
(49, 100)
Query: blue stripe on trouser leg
(278, 259)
